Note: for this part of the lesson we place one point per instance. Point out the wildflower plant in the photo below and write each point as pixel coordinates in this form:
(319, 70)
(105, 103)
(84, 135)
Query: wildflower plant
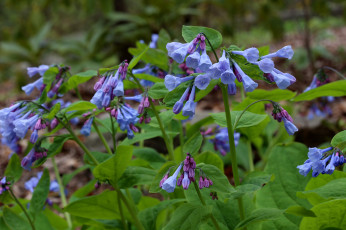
(156, 94)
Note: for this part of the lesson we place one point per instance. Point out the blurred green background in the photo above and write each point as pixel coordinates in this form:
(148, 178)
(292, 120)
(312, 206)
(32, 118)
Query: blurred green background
(86, 34)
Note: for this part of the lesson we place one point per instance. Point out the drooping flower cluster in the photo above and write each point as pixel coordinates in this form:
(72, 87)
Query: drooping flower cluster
(187, 176)
(219, 137)
(37, 152)
(4, 185)
(281, 114)
(321, 162)
(109, 85)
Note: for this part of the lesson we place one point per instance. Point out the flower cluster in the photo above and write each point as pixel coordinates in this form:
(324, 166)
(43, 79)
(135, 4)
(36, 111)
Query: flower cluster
(281, 114)
(187, 176)
(219, 137)
(35, 153)
(4, 185)
(109, 85)
(320, 161)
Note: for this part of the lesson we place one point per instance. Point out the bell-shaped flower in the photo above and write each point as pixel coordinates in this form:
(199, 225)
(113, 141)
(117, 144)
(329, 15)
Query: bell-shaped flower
(202, 81)
(37, 70)
(231, 88)
(119, 89)
(266, 65)
(248, 84)
(284, 52)
(178, 106)
(172, 82)
(87, 127)
(190, 105)
(204, 62)
(251, 54)
(192, 60)
(186, 181)
(169, 184)
(290, 127)
(305, 168)
(30, 87)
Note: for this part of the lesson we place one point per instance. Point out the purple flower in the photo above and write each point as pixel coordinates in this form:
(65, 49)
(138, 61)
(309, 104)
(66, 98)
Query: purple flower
(4, 185)
(305, 168)
(178, 106)
(266, 65)
(232, 88)
(154, 39)
(30, 87)
(202, 81)
(285, 52)
(251, 54)
(221, 140)
(28, 160)
(190, 105)
(290, 127)
(37, 70)
(248, 84)
(186, 181)
(87, 127)
(169, 184)
(172, 82)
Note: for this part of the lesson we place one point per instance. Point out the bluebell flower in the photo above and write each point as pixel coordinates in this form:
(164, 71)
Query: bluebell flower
(186, 181)
(154, 39)
(22, 125)
(169, 184)
(285, 52)
(204, 62)
(222, 69)
(331, 165)
(190, 105)
(172, 82)
(319, 166)
(137, 98)
(248, 84)
(28, 160)
(289, 126)
(87, 127)
(178, 106)
(192, 60)
(251, 54)
(305, 168)
(127, 117)
(202, 81)
(4, 185)
(266, 65)
(231, 88)
(221, 140)
(30, 87)
(37, 70)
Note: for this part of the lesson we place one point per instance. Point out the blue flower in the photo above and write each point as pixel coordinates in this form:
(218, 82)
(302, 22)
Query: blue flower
(178, 106)
(266, 65)
(87, 127)
(37, 70)
(170, 183)
(190, 105)
(285, 52)
(202, 81)
(289, 126)
(38, 84)
(251, 54)
(305, 168)
(186, 181)
(248, 84)
(231, 88)
(27, 161)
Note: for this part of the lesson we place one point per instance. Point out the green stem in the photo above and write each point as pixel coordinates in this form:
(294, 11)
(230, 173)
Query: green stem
(164, 134)
(204, 204)
(62, 193)
(181, 139)
(238, 118)
(123, 221)
(21, 206)
(113, 134)
(102, 138)
(251, 163)
(78, 94)
(335, 71)
(233, 153)
(133, 213)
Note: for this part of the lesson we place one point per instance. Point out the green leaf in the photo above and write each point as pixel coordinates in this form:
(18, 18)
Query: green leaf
(14, 169)
(137, 58)
(248, 119)
(210, 158)
(150, 155)
(300, 211)
(135, 175)
(53, 111)
(49, 75)
(166, 118)
(113, 168)
(173, 96)
(42, 99)
(339, 140)
(220, 181)
(187, 216)
(145, 136)
(202, 93)
(263, 50)
(149, 77)
(55, 220)
(214, 36)
(275, 95)
(14, 221)
(281, 193)
(335, 89)
(241, 190)
(80, 78)
(3, 225)
(100, 157)
(40, 194)
(103, 206)
(329, 215)
(155, 57)
(164, 38)
(158, 91)
(257, 178)
(335, 189)
(148, 216)
(258, 215)
(80, 106)
(68, 177)
(193, 144)
(155, 185)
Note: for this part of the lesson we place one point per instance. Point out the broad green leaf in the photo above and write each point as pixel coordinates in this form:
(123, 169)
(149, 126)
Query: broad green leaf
(3, 225)
(164, 38)
(242, 189)
(68, 177)
(173, 96)
(49, 75)
(257, 178)
(80, 78)
(148, 216)
(55, 220)
(196, 127)
(220, 181)
(42, 222)
(155, 57)
(145, 136)
(329, 215)
(158, 91)
(103, 206)
(317, 182)
(83, 191)
(40, 194)
(335, 189)
(339, 140)
(258, 215)
(299, 211)
(134, 175)
(248, 119)
(99, 156)
(148, 77)
(113, 168)
(146, 202)
(166, 118)
(150, 155)
(53, 111)
(14, 221)
(137, 58)
(335, 89)
(187, 216)
(275, 95)
(14, 169)
(214, 36)
(263, 50)
(210, 158)
(193, 144)
(281, 193)
(155, 185)
(80, 106)
(43, 98)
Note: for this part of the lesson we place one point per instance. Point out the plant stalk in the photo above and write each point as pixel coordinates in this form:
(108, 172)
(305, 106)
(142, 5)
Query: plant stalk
(114, 132)
(102, 138)
(62, 193)
(123, 221)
